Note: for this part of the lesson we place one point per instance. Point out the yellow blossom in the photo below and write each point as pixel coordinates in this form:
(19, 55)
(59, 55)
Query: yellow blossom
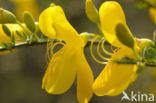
(26, 5)
(69, 61)
(152, 13)
(115, 78)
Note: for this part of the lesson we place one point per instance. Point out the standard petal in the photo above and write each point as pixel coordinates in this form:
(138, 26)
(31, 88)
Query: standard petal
(54, 24)
(110, 14)
(84, 78)
(61, 71)
(115, 78)
(46, 23)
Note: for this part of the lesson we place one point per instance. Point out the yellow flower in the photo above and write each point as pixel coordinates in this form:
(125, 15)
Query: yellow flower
(152, 13)
(114, 78)
(26, 5)
(69, 61)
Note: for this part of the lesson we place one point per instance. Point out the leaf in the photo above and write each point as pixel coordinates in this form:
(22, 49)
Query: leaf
(150, 54)
(3, 45)
(124, 35)
(141, 4)
(21, 35)
(6, 30)
(13, 38)
(29, 21)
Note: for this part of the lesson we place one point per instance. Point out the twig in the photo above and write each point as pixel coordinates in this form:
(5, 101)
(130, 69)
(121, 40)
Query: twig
(147, 63)
(40, 42)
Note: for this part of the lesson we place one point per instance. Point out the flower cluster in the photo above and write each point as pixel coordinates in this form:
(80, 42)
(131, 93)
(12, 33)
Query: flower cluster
(129, 58)
(69, 61)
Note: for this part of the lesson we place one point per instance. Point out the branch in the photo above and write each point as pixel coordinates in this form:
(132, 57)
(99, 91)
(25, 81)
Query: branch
(40, 42)
(23, 44)
(45, 41)
(147, 63)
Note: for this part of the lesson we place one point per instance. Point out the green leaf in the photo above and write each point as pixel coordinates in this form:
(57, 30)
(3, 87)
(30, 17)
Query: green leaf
(29, 21)
(3, 45)
(13, 38)
(150, 54)
(141, 4)
(20, 34)
(43, 37)
(124, 35)
(154, 39)
(7, 17)
(6, 30)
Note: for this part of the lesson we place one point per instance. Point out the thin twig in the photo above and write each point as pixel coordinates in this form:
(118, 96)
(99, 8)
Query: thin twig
(147, 63)
(45, 41)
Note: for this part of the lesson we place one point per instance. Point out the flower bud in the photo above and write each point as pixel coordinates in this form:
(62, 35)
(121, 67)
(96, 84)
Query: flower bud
(52, 5)
(141, 67)
(7, 16)
(29, 21)
(91, 11)
(124, 35)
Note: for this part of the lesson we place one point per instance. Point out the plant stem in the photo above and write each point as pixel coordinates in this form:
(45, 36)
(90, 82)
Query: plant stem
(147, 63)
(22, 26)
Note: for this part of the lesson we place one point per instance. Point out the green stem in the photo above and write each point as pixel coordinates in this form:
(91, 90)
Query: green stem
(147, 63)
(137, 55)
(22, 27)
(99, 27)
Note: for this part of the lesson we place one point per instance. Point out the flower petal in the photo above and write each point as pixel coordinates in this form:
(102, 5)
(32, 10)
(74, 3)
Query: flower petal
(152, 12)
(45, 23)
(110, 14)
(61, 71)
(26, 5)
(115, 78)
(84, 78)
(54, 24)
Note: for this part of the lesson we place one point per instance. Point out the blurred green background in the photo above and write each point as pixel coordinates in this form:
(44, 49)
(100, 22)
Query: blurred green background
(21, 72)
